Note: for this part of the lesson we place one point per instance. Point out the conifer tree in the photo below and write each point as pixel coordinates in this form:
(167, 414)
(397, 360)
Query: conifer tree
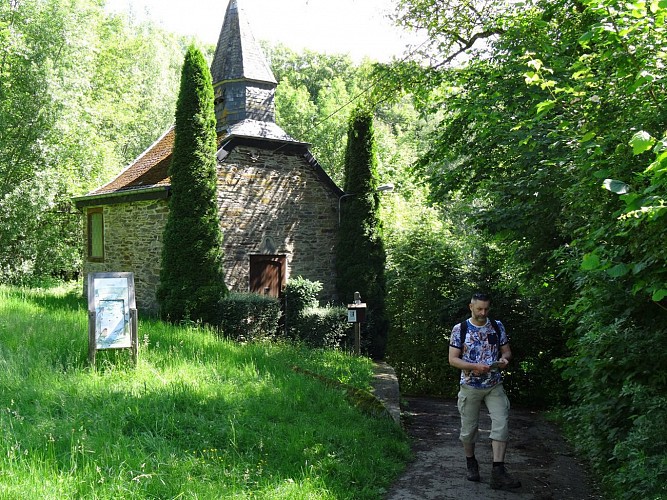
(191, 277)
(360, 254)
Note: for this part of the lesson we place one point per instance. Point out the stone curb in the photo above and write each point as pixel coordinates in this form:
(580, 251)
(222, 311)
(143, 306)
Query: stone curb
(385, 388)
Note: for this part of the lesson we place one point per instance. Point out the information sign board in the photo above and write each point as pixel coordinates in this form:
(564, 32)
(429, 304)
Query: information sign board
(112, 312)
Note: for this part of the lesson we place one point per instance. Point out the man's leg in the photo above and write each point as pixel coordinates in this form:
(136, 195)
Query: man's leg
(499, 448)
(498, 405)
(469, 404)
(499, 410)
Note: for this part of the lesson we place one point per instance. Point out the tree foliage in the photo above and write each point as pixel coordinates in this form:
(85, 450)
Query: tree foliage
(455, 28)
(82, 92)
(191, 276)
(552, 135)
(315, 95)
(360, 253)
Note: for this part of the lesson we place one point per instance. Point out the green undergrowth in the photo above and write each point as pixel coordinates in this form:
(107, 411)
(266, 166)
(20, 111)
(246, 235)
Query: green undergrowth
(198, 417)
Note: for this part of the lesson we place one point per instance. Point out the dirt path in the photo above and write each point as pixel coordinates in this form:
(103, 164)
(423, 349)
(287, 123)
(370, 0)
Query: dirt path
(537, 455)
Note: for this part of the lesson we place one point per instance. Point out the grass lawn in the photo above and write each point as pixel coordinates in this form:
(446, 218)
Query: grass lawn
(199, 417)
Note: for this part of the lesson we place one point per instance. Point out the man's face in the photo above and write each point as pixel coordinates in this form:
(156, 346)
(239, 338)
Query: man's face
(480, 311)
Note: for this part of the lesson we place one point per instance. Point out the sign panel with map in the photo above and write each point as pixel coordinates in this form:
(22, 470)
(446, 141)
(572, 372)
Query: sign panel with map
(112, 311)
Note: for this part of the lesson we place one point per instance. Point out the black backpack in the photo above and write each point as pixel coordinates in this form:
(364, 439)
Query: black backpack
(494, 324)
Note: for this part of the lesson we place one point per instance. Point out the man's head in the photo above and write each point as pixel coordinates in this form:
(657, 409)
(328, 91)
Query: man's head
(479, 308)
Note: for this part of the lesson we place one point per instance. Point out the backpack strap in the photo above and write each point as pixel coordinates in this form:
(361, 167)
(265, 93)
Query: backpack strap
(464, 330)
(495, 326)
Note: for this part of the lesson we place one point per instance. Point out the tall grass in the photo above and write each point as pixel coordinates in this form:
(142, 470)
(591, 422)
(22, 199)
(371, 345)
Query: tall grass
(199, 417)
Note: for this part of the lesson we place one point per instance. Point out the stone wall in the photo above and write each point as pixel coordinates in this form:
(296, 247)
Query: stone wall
(270, 202)
(133, 243)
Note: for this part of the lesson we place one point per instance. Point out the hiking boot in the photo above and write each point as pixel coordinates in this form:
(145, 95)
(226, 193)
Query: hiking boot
(473, 470)
(501, 480)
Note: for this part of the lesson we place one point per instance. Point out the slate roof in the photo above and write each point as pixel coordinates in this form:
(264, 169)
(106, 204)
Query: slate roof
(238, 56)
(259, 129)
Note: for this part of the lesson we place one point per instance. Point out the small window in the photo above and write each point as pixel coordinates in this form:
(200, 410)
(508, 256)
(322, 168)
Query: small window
(95, 235)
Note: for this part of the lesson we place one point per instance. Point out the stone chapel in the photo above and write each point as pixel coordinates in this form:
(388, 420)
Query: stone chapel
(278, 208)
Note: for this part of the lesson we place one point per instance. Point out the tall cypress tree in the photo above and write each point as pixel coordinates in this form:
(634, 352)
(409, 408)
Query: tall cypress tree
(360, 253)
(191, 277)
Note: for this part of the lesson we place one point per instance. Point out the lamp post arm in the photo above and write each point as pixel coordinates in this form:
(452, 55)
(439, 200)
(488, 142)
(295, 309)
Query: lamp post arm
(383, 188)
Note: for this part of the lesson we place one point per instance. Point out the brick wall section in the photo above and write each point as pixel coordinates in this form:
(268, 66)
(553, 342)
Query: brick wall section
(269, 203)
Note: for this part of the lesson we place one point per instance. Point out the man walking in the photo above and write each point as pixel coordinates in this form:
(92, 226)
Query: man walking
(479, 347)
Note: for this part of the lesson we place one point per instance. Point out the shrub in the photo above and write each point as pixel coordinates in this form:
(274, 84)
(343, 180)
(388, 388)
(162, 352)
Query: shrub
(248, 316)
(300, 294)
(323, 326)
(427, 295)
(617, 417)
(306, 321)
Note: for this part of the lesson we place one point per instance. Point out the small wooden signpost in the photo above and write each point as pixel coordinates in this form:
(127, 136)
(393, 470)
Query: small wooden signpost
(356, 313)
(112, 314)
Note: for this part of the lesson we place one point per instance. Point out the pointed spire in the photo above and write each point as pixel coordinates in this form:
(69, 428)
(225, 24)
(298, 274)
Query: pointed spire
(238, 55)
(243, 82)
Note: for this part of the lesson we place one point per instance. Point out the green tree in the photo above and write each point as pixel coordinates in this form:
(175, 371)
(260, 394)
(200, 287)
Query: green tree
(315, 96)
(313, 101)
(554, 140)
(334, 104)
(295, 111)
(81, 94)
(33, 46)
(312, 70)
(360, 253)
(426, 289)
(191, 277)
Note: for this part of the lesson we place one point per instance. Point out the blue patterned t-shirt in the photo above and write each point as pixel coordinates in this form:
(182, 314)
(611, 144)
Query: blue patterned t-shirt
(480, 347)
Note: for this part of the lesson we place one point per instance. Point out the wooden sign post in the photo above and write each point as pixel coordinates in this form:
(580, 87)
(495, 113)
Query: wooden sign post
(356, 313)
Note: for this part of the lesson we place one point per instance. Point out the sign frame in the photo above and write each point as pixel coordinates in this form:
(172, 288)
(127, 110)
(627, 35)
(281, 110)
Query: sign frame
(112, 313)
(356, 313)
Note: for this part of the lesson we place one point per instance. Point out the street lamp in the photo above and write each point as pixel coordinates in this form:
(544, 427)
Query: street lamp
(380, 189)
(385, 187)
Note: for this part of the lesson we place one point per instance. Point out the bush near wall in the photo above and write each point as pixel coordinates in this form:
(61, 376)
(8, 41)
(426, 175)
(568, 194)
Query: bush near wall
(249, 316)
(306, 321)
(323, 326)
(300, 295)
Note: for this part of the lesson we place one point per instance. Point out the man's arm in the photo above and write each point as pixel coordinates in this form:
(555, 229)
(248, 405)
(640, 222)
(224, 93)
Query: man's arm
(456, 361)
(505, 355)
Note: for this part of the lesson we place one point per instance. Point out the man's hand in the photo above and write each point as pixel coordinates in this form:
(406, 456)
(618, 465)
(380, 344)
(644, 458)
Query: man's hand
(481, 368)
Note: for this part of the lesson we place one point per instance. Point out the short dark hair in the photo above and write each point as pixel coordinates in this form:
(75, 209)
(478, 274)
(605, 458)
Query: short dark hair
(484, 297)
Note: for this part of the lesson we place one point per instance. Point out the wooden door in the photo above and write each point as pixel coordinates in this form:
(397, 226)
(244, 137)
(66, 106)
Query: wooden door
(267, 274)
